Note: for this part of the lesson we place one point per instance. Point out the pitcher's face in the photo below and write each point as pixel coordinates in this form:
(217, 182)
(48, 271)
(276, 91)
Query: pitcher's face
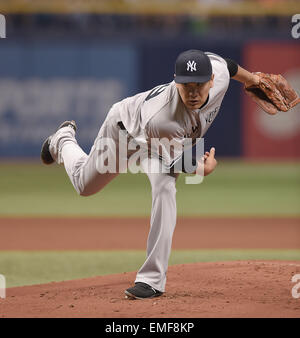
(194, 94)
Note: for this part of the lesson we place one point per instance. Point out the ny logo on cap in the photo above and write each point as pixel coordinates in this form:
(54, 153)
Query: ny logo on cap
(191, 66)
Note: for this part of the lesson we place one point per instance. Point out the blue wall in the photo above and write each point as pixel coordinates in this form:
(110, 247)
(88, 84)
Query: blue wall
(43, 83)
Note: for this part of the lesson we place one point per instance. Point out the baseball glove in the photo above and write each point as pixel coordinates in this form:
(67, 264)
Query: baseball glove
(273, 93)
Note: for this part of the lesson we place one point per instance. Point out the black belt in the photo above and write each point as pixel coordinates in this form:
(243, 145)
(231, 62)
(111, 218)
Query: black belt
(121, 125)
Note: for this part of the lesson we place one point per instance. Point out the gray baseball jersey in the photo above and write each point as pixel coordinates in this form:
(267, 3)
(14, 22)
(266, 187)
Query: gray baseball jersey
(157, 113)
(160, 113)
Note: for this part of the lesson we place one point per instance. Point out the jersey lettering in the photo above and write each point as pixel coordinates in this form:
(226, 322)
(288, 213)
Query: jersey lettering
(211, 115)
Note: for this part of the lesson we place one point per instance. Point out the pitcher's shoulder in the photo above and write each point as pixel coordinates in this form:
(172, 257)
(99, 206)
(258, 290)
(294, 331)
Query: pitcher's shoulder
(160, 93)
(216, 58)
(158, 99)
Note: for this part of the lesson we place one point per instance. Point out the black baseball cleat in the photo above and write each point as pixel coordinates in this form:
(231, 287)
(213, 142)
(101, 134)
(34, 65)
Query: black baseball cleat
(142, 291)
(45, 153)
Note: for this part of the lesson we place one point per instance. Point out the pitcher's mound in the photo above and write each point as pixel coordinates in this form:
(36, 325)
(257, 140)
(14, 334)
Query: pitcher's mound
(222, 289)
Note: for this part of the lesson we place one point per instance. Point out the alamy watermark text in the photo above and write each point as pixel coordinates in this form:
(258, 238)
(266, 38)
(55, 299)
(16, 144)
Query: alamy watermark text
(2, 26)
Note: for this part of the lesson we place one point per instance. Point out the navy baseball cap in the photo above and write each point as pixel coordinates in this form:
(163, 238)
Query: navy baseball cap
(193, 66)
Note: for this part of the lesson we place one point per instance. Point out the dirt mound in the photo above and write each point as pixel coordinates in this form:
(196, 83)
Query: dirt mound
(224, 289)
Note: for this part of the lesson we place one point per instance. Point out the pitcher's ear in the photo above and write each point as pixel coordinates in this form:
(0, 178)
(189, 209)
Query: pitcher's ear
(212, 80)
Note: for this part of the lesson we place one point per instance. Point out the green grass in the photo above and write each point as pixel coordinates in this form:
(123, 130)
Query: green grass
(234, 189)
(37, 267)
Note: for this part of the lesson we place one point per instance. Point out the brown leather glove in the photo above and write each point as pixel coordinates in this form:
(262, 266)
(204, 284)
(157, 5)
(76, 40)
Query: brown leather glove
(273, 93)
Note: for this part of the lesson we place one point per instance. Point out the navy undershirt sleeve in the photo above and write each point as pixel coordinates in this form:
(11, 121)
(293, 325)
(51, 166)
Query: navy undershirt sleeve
(232, 67)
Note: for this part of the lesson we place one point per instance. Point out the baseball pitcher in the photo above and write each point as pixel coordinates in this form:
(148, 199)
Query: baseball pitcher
(182, 109)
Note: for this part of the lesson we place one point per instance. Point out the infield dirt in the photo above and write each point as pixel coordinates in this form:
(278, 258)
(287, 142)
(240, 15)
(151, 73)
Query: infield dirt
(257, 289)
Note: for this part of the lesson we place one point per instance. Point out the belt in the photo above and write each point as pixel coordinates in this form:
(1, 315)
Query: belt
(121, 125)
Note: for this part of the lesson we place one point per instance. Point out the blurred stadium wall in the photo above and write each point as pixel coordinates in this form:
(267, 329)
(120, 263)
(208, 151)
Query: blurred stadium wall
(73, 59)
